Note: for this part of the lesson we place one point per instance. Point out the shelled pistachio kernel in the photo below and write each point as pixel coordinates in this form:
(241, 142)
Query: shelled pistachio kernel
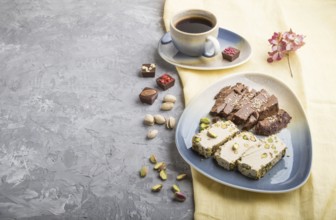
(157, 187)
(170, 123)
(152, 159)
(196, 139)
(245, 137)
(143, 171)
(148, 120)
(158, 165)
(162, 167)
(264, 155)
(252, 138)
(211, 134)
(205, 120)
(235, 147)
(178, 196)
(169, 98)
(203, 126)
(181, 176)
(175, 188)
(152, 134)
(159, 119)
(163, 175)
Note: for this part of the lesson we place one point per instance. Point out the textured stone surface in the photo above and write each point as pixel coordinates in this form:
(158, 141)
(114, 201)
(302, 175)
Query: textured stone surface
(72, 139)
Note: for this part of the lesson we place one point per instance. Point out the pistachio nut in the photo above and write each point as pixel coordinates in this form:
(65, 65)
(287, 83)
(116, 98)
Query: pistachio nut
(211, 134)
(169, 98)
(170, 123)
(149, 119)
(178, 196)
(158, 165)
(152, 159)
(175, 188)
(163, 175)
(152, 134)
(157, 188)
(235, 147)
(166, 106)
(181, 176)
(205, 120)
(159, 119)
(203, 126)
(196, 139)
(162, 167)
(143, 171)
(264, 155)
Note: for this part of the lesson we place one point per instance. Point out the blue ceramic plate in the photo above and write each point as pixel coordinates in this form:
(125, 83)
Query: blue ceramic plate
(226, 38)
(288, 174)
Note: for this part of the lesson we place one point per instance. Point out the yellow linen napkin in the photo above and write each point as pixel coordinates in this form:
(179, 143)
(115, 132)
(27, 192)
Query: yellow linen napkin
(313, 82)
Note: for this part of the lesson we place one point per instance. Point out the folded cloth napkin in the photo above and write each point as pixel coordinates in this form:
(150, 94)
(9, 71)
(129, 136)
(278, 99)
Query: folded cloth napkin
(313, 82)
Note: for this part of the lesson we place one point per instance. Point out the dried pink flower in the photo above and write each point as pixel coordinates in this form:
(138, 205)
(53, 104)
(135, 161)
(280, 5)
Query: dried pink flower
(283, 43)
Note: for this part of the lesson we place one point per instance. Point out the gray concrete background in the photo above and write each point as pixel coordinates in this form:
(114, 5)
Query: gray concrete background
(72, 139)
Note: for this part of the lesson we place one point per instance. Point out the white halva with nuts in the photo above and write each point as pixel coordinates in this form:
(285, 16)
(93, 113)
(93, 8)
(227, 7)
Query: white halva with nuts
(228, 154)
(208, 140)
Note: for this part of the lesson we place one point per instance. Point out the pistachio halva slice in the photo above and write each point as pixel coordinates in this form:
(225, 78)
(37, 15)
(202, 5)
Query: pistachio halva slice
(208, 140)
(230, 152)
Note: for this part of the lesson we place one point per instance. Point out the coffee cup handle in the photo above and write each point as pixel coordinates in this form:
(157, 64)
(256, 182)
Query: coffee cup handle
(212, 47)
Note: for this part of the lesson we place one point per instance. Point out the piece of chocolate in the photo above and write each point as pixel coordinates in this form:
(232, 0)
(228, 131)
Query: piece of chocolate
(227, 99)
(271, 107)
(230, 53)
(251, 121)
(148, 70)
(273, 124)
(148, 95)
(165, 81)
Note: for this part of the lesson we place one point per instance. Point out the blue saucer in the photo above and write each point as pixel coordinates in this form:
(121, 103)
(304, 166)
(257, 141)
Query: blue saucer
(226, 38)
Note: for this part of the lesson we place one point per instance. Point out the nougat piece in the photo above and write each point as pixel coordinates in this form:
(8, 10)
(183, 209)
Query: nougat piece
(228, 154)
(165, 81)
(230, 53)
(258, 160)
(148, 95)
(148, 70)
(208, 140)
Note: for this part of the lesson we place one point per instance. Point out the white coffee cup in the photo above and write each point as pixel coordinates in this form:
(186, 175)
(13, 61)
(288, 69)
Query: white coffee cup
(194, 32)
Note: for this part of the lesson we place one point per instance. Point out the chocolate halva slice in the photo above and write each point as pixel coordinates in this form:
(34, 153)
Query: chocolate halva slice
(273, 124)
(208, 140)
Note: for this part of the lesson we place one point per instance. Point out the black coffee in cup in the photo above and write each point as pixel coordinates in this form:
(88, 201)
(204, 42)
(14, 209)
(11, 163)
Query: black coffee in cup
(194, 25)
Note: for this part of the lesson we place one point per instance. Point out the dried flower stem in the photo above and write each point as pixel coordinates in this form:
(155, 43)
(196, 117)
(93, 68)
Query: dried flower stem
(290, 68)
